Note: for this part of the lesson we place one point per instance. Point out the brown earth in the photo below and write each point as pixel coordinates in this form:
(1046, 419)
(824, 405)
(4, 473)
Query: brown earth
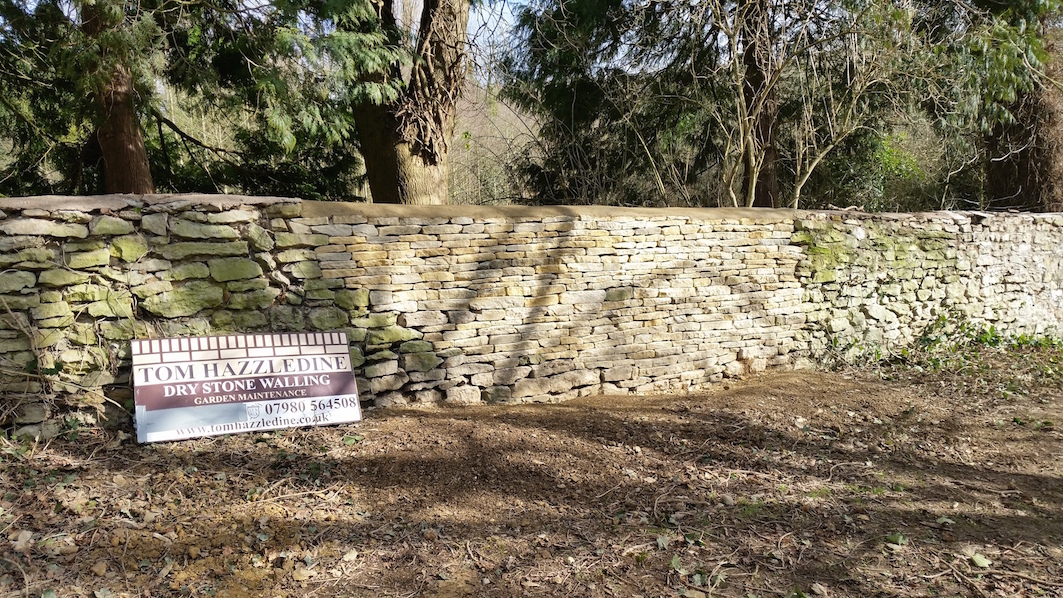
(879, 482)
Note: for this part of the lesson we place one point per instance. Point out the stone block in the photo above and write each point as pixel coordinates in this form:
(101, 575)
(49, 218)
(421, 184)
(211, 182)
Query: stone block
(43, 228)
(129, 248)
(300, 240)
(88, 259)
(189, 299)
(415, 347)
(109, 226)
(152, 288)
(259, 299)
(328, 318)
(232, 217)
(380, 368)
(19, 302)
(423, 318)
(156, 224)
(420, 362)
(123, 330)
(180, 251)
(194, 230)
(31, 413)
(304, 270)
(233, 268)
(391, 334)
(286, 319)
(11, 282)
(186, 271)
(463, 395)
(260, 238)
(252, 284)
(352, 298)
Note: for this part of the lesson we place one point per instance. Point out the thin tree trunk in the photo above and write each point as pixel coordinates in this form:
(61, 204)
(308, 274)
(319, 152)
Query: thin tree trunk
(125, 159)
(761, 182)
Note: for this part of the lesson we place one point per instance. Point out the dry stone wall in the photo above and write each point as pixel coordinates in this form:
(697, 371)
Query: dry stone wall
(467, 304)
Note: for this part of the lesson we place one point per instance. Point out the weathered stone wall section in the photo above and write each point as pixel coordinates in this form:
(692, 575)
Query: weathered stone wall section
(467, 304)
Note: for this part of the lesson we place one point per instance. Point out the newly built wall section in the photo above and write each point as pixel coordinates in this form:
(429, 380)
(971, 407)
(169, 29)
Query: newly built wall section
(470, 303)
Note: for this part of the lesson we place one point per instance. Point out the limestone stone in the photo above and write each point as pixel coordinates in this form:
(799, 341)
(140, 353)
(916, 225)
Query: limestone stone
(323, 283)
(249, 320)
(151, 265)
(463, 395)
(300, 240)
(51, 310)
(333, 230)
(186, 271)
(87, 245)
(304, 270)
(178, 251)
(357, 359)
(152, 288)
(13, 345)
(41, 432)
(109, 225)
(328, 318)
(286, 319)
(380, 368)
(129, 248)
(283, 210)
(386, 383)
(115, 305)
(254, 284)
(57, 322)
(84, 334)
(420, 362)
(88, 259)
(29, 254)
(415, 347)
(289, 256)
(352, 298)
(186, 300)
(43, 228)
(19, 302)
(86, 292)
(232, 217)
(391, 334)
(123, 330)
(259, 238)
(31, 413)
(234, 268)
(194, 230)
(156, 224)
(11, 282)
(260, 299)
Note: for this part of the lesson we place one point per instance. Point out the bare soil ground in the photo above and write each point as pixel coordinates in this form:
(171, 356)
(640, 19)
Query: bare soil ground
(912, 481)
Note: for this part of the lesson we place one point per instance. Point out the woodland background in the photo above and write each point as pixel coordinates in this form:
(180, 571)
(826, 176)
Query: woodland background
(883, 105)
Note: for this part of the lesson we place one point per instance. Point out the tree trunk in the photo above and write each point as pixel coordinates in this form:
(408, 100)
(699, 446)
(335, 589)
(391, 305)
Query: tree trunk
(761, 183)
(125, 159)
(405, 144)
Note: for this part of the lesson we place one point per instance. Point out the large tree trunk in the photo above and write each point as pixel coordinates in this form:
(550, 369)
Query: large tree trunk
(761, 181)
(405, 144)
(125, 159)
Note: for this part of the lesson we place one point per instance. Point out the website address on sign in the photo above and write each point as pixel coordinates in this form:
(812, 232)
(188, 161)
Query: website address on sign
(257, 424)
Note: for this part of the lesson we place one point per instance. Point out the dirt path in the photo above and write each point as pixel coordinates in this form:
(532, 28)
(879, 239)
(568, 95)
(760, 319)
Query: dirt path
(788, 484)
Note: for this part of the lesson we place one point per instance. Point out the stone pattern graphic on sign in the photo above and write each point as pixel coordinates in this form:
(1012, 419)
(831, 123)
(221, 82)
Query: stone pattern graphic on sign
(204, 386)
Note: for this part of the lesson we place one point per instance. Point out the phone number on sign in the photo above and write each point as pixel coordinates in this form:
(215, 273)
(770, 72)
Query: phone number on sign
(300, 406)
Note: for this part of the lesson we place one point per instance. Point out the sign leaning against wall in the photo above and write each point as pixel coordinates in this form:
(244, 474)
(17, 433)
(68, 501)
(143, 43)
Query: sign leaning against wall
(210, 385)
